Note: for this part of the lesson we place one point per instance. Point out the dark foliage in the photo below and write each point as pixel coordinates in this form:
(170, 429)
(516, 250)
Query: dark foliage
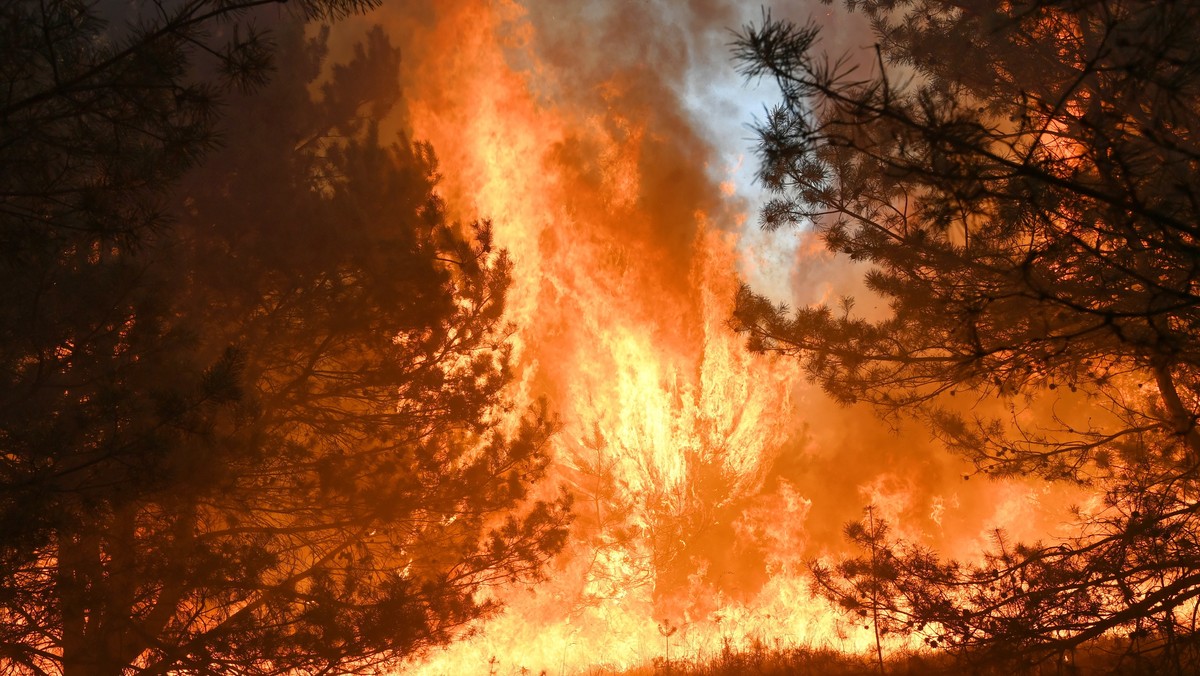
(267, 434)
(1022, 180)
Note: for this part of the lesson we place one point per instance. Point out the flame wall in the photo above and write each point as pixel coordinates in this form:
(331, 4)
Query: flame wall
(595, 137)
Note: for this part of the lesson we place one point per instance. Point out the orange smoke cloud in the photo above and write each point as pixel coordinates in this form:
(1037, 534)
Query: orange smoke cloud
(705, 476)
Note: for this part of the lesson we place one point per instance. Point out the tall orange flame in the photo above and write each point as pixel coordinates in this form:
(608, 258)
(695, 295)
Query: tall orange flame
(693, 510)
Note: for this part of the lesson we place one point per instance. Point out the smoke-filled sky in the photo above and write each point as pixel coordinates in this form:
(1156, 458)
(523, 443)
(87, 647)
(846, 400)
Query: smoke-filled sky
(610, 143)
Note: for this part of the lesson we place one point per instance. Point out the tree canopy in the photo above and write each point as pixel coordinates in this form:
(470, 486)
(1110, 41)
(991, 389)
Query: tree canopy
(1021, 181)
(254, 406)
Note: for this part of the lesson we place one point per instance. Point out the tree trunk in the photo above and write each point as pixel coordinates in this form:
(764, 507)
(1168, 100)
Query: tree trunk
(1182, 421)
(77, 555)
(97, 587)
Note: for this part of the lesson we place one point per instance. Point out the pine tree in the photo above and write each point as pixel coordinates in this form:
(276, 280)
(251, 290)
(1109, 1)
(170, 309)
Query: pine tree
(270, 434)
(1021, 180)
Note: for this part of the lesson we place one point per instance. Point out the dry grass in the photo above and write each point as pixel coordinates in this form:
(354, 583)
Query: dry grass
(1101, 658)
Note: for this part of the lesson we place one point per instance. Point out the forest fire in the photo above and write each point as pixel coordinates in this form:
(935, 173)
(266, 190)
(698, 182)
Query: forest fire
(621, 303)
(688, 538)
(440, 338)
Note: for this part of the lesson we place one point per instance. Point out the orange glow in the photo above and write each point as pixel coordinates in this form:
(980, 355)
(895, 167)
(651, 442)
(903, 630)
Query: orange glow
(692, 534)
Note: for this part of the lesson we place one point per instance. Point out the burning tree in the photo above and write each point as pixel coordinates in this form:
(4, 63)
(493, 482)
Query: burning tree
(269, 435)
(1021, 181)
